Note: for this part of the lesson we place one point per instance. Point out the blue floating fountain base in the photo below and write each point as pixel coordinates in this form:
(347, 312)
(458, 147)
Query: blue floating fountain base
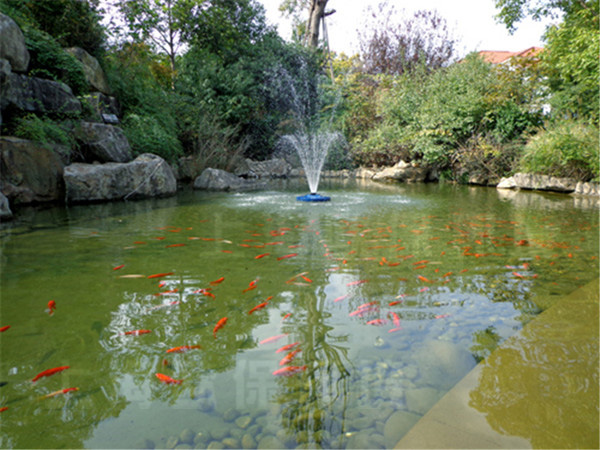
(313, 198)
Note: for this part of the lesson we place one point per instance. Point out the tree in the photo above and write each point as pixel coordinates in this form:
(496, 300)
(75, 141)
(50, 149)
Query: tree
(513, 11)
(316, 15)
(423, 39)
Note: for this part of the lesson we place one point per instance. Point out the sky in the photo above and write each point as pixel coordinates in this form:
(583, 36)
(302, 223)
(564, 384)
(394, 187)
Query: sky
(472, 21)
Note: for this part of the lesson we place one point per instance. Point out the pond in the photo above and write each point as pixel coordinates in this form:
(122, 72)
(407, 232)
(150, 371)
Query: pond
(244, 320)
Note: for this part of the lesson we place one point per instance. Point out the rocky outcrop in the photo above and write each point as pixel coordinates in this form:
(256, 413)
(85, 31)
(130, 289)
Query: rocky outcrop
(272, 168)
(12, 44)
(5, 212)
(146, 176)
(404, 172)
(589, 188)
(103, 143)
(91, 69)
(37, 95)
(29, 172)
(534, 181)
(220, 180)
(104, 108)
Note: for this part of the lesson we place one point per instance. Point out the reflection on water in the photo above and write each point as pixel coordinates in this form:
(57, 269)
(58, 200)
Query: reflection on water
(543, 384)
(386, 297)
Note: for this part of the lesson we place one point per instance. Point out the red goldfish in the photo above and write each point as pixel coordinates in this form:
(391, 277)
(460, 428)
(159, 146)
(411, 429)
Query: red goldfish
(289, 370)
(291, 255)
(61, 391)
(377, 322)
(288, 358)
(135, 332)
(220, 324)
(286, 347)
(51, 307)
(4, 408)
(422, 278)
(214, 283)
(355, 283)
(4, 328)
(119, 267)
(47, 373)
(160, 275)
(260, 306)
(167, 379)
(182, 348)
(272, 339)
(395, 319)
(340, 298)
(174, 245)
(261, 256)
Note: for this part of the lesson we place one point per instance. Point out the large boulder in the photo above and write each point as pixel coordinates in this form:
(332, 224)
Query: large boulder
(403, 171)
(220, 180)
(91, 69)
(37, 95)
(146, 176)
(12, 44)
(30, 172)
(533, 181)
(5, 212)
(103, 143)
(587, 189)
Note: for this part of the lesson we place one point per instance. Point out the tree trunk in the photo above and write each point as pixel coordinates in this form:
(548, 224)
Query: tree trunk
(316, 14)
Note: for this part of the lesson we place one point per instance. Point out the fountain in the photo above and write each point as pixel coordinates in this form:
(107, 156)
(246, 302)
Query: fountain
(312, 137)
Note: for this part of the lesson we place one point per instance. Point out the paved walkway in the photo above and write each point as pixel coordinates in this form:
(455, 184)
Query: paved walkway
(539, 389)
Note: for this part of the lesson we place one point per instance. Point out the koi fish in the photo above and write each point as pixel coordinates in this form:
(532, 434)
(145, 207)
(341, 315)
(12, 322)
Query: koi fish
(272, 339)
(288, 358)
(289, 370)
(340, 298)
(49, 372)
(261, 255)
(4, 328)
(4, 408)
(118, 267)
(395, 319)
(51, 307)
(442, 316)
(394, 303)
(362, 311)
(306, 279)
(392, 330)
(170, 291)
(136, 332)
(220, 324)
(286, 316)
(164, 305)
(377, 322)
(61, 391)
(260, 306)
(182, 348)
(251, 285)
(422, 278)
(160, 275)
(355, 283)
(518, 275)
(287, 347)
(418, 263)
(214, 283)
(291, 255)
(133, 275)
(167, 379)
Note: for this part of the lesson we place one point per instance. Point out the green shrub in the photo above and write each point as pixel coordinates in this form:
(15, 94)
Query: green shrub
(566, 148)
(43, 130)
(147, 134)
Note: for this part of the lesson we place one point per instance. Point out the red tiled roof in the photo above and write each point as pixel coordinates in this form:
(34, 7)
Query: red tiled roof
(499, 57)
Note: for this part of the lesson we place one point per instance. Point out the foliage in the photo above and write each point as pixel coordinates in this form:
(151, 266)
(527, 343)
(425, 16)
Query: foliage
(572, 65)
(423, 40)
(147, 134)
(42, 129)
(567, 148)
(513, 11)
(70, 22)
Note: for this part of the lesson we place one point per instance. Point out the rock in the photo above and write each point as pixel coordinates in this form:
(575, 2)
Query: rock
(363, 172)
(590, 188)
(397, 426)
(442, 363)
(5, 212)
(360, 440)
(273, 168)
(103, 105)
(422, 399)
(506, 183)
(231, 414)
(248, 441)
(200, 440)
(219, 430)
(30, 172)
(231, 443)
(103, 143)
(535, 181)
(243, 421)
(12, 44)
(270, 442)
(220, 180)
(187, 436)
(91, 69)
(215, 445)
(403, 171)
(172, 442)
(37, 95)
(146, 176)
(145, 444)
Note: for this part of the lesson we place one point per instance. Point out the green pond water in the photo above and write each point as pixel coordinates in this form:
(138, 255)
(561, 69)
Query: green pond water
(392, 293)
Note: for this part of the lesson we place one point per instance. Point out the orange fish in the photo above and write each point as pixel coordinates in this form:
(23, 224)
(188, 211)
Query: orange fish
(182, 348)
(355, 283)
(170, 291)
(4, 408)
(47, 373)
(214, 283)
(418, 263)
(288, 358)
(135, 332)
(289, 370)
(518, 275)
(174, 245)
(251, 285)
(286, 316)
(395, 319)
(4, 328)
(377, 322)
(261, 255)
(51, 307)
(340, 298)
(61, 391)
(160, 275)
(422, 278)
(262, 305)
(395, 302)
(167, 379)
(442, 316)
(220, 324)
(272, 339)
(291, 255)
(286, 347)
(119, 267)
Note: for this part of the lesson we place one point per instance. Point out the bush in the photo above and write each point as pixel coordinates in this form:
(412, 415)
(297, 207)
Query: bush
(43, 130)
(147, 134)
(566, 148)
